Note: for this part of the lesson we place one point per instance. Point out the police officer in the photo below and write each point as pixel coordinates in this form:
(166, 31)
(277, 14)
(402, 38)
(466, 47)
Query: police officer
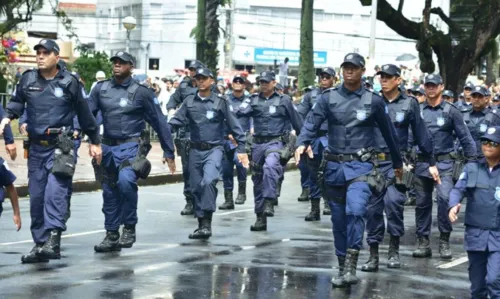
(327, 79)
(405, 113)
(466, 101)
(352, 113)
(230, 160)
(419, 93)
(442, 120)
(186, 88)
(480, 184)
(52, 97)
(272, 115)
(448, 96)
(126, 105)
(495, 102)
(207, 113)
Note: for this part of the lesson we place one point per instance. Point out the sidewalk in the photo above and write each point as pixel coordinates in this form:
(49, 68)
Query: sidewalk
(84, 180)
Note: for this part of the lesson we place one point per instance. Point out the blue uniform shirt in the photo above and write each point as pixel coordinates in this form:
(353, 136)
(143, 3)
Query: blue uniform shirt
(234, 105)
(307, 104)
(478, 122)
(52, 104)
(185, 88)
(124, 115)
(207, 119)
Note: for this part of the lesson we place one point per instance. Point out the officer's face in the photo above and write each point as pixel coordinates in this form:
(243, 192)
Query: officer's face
(479, 101)
(192, 72)
(490, 149)
(420, 97)
(267, 87)
(432, 90)
(238, 85)
(121, 69)
(467, 92)
(448, 99)
(389, 83)
(46, 59)
(352, 73)
(204, 83)
(326, 80)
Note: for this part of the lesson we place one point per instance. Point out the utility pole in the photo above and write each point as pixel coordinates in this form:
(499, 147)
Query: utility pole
(229, 44)
(373, 25)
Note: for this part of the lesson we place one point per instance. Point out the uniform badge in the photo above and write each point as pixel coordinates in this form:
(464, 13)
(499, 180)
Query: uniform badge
(210, 114)
(244, 105)
(440, 121)
(491, 131)
(361, 114)
(272, 109)
(58, 92)
(123, 102)
(400, 116)
(497, 193)
(483, 128)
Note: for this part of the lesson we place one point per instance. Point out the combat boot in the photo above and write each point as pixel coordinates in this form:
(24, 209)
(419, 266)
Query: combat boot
(304, 196)
(228, 203)
(33, 257)
(339, 281)
(128, 236)
(393, 256)
(351, 262)
(269, 207)
(204, 230)
(242, 193)
(188, 208)
(372, 264)
(52, 248)
(110, 243)
(326, 209)
(444, 246)
(314, 213)
(424, 247)
(260, 224)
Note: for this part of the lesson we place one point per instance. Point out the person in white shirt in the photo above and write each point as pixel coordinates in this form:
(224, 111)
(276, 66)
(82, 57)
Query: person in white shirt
(284, 73)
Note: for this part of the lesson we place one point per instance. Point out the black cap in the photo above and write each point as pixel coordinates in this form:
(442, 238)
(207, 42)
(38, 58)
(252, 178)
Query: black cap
(480, 90)
(461, 96)
(328, 70)
(390, 69)
(239, 77)
(279, 87)
(434, 79)
(492, 134)
(195, 64)
(448, 93)
(204, 72)
(419, 90)
(267, 76)
(469, 85)
(123, 56)
(354, 58)
(48, 44)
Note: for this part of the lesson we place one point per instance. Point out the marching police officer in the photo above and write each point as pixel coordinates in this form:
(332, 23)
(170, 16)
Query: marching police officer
(186, 88)
(125, 106)
(327, 79)
(480, 184)
(206, 114)
(466, 100)
(405, 113)
(442, 120)
(352, 113)
(52, 97)
(272, 115)
(236, 99)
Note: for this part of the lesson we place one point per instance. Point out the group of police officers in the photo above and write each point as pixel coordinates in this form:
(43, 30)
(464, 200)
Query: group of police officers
(354, 147)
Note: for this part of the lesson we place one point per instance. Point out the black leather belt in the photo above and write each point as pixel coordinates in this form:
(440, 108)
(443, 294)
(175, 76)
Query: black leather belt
(44, 142)
(265, 139)
(203, 146)
(439, 158)
(340, 157)
(114, 142)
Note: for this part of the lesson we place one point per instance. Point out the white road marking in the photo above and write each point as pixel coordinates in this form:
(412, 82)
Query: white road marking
(143, 251)
(233, 212)
(161, 193)
(158, 211)
(153, 267)
(65, 236)
(454, 263)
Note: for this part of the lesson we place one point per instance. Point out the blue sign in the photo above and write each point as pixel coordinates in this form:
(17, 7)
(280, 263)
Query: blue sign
(268, 55)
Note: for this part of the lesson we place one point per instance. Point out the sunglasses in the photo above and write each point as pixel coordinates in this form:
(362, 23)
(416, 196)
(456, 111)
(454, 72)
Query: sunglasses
(490, 143)
(238, 81)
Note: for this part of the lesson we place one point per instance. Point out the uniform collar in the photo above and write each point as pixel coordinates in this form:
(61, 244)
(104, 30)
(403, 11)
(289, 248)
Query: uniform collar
(400, 96)
(261, 95)
(438, 106)
(125, 83)
(209, 98)
(233, 97)
(482, 161)
(484, 111)
(358, 92)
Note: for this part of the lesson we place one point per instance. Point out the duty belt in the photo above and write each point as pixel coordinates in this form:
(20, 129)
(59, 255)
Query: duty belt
(383, 157)
(340, 158)
(44, 142)
(203, 146)
(265, 139)
(439, 158)
(114, 142)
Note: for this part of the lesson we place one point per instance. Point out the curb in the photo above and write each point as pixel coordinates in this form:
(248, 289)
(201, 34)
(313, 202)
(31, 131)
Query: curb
(153, 180)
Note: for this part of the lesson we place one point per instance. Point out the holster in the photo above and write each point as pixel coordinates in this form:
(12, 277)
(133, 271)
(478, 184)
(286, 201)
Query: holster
(64, 160)
(375, 180)
(140, 164)
(321, 176)
(288, 150)
(98, 171)
(458, 168)
(26, 147)
(406, 183)
(248, 145)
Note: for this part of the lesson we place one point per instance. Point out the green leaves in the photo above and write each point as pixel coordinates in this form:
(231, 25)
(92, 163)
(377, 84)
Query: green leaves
(89, 63)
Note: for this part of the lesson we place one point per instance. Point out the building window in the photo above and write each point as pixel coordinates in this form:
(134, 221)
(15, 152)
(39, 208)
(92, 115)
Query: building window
(190, 8)
(154, 64)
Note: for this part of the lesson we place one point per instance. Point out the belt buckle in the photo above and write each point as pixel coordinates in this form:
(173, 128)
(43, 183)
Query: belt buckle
(381, 156)
(44, 142)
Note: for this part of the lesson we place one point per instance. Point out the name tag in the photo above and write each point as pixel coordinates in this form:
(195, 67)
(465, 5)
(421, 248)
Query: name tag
(243, 105)
(35, 88)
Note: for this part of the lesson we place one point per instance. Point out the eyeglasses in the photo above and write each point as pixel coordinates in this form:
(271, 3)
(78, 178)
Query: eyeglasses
(490, 143)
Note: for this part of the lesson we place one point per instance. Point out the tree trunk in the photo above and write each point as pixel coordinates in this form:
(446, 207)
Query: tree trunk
(307, 74)
(212, 35)
(200, 30)
(490, 76)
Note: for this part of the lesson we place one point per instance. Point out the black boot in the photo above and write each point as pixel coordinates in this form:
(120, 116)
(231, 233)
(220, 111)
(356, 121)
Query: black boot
(444, 246)
(110, 243)
(351, 262)
(33, 257)
(314, 213)
(204, 230)
(269, 207)
(52, 248)
(188, 209)
(242, 193)
(339, 281)
(275, 202)
(228, 203)
(372, 264)
(304, 196)
(260, 224)
(326, 209)
(278, 188)
(393, 261)
(424, 247)
(128, 236)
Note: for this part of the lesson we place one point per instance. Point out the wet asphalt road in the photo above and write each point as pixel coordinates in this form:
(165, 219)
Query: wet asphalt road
(293, 259)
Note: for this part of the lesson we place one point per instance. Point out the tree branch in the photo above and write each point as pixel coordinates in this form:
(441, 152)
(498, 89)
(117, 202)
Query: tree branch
(400, 6)
(454, 27)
